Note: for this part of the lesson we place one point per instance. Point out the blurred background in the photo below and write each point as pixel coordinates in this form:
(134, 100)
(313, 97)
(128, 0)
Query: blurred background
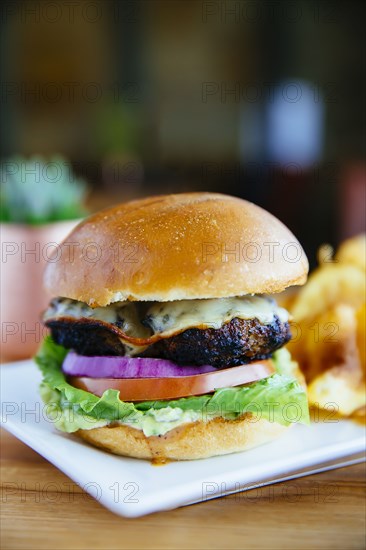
(259, 99)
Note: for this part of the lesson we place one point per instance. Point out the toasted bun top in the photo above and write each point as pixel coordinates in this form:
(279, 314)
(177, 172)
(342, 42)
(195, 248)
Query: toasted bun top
(172, 247)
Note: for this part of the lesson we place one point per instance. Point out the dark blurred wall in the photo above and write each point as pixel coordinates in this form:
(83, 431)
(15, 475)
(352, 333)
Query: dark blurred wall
(151, 96)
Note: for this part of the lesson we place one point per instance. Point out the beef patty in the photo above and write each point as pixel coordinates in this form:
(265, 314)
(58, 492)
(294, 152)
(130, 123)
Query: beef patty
(235, 343)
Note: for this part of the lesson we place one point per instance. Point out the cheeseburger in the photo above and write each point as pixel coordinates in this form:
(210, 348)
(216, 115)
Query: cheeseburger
(164, 343)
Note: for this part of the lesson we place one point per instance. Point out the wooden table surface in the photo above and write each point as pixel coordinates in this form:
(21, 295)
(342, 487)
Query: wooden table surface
(42, 508)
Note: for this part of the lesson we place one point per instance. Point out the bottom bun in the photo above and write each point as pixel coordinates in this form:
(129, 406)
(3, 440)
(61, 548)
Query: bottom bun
(191, 441)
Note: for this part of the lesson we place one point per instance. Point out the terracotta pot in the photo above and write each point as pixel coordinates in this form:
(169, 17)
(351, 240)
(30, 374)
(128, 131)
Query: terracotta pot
(25, 251)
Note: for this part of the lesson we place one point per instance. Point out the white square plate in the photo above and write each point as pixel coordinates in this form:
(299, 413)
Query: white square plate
(132, 488)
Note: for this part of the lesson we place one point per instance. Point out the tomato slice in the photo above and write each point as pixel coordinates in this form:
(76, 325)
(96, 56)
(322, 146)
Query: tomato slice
(149, 389)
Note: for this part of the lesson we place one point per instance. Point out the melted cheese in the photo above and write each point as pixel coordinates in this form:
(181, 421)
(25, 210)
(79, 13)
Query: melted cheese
(123, 314)
(168, 318)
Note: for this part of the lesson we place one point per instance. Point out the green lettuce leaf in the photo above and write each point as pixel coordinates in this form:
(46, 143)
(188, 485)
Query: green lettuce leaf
(279, 398)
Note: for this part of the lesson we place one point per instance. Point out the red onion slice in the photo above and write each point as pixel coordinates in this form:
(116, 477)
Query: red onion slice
(127, 367)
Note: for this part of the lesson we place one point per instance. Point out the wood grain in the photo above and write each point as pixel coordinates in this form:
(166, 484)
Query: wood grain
(42, 508)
